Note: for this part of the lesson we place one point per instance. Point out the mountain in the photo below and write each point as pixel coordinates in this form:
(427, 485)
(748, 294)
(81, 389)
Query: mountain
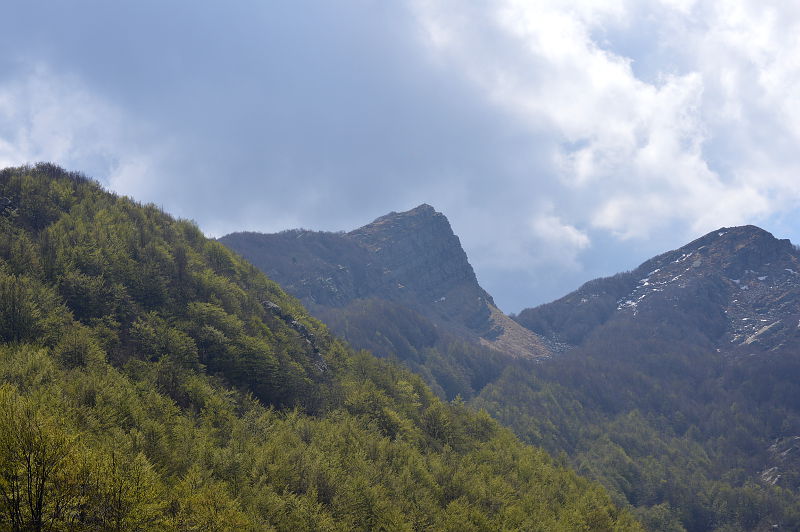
(677, 384)
(151, 379)
(400, 286)
(737, 289)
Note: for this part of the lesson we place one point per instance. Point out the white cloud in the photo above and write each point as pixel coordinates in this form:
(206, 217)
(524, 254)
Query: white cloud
(564, 240)
(710, 140)
(49, 117)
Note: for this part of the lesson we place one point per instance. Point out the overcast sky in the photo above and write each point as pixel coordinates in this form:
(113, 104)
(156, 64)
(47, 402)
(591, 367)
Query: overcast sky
(563, 140)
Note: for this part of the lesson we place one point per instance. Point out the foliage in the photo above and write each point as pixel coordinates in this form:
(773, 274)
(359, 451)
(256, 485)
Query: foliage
(450, 366)
(671, 427)
(152, 380)
(345, 285)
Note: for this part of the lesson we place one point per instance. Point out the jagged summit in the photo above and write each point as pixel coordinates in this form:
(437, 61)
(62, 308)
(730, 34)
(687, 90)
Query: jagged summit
(412, 259)
(423, 210)
(419, 251)
(731, 250)
(388, 228)
(738, 287)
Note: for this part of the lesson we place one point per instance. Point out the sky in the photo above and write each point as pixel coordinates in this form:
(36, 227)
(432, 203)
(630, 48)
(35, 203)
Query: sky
(564, 140)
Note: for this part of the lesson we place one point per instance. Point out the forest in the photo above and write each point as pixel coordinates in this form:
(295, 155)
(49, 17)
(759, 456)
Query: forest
(680, 433)
(150, 379)
(451, 366)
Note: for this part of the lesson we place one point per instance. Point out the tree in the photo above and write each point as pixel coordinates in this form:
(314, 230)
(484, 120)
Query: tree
(34, 457)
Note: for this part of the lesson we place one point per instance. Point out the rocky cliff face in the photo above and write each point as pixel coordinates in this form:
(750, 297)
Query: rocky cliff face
(737, 287)
(419, 251)
(410, 258)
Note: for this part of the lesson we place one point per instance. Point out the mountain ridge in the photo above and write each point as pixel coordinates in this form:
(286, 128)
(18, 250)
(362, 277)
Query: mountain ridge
(645, 367)
(676, 385)
(743, 276)
(411, 258)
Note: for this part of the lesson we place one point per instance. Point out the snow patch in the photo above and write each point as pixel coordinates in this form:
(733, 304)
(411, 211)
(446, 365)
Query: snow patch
(629, 304)
(761, 331)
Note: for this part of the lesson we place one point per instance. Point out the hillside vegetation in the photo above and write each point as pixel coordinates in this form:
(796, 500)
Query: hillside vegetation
(150, 379)
(682, 392)
(671, 429)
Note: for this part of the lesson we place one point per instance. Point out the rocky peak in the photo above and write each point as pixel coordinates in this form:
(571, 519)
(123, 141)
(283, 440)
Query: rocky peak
(729, 250)
(410, 258)
(419, 251)
(738, 287)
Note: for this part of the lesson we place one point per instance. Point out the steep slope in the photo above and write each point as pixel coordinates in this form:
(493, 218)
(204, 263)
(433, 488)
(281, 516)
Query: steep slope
(410, 268)
(738, 288)
(150, 379)
(678, 383)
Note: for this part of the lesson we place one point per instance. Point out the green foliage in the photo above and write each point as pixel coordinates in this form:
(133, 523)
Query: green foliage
(29, 310)
(450, 366)
(669, 427)
(152, 380)
(35, 454)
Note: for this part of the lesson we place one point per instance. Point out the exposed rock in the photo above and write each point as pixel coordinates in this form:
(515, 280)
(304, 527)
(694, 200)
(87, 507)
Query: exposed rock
(784, 463)
(738, 286)
(412, 258)
(301, 329)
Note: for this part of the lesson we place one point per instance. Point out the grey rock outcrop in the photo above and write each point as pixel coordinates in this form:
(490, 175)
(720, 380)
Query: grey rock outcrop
(410, 258)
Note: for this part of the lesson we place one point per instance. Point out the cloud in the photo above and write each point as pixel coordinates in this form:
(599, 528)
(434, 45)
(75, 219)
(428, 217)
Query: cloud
(45, 116)
(565, 239)
(635, 151)
(563, 140)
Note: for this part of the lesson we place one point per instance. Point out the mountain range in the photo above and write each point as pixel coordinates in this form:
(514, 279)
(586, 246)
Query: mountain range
(411, 258)
(737, 288)
(674, 384)
(152, 379)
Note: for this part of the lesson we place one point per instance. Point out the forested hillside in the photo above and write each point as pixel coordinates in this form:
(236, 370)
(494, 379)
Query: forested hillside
(682, 390)
(692, 441)
(150, 379)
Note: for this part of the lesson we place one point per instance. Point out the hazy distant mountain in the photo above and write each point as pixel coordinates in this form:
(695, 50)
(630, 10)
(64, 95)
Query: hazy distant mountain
(736, 289)
(400, 286)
